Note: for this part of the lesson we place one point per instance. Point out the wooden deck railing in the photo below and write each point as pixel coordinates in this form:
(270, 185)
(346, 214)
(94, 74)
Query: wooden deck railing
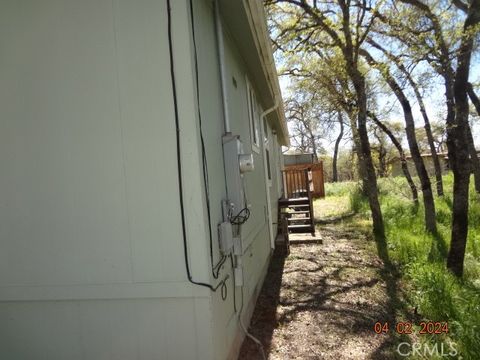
(297, 183)
(316, 173)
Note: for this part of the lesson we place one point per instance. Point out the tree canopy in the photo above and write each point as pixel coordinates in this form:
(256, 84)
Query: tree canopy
(355, 68)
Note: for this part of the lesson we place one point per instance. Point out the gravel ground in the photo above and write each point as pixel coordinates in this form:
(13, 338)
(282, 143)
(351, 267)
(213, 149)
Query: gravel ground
(322, 301)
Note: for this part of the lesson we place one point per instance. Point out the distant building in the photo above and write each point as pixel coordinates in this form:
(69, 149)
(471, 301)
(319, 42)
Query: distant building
(298, 159)
(427, 160)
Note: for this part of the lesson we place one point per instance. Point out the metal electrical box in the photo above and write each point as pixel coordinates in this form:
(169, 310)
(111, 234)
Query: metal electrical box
(236, 163)
(225, 236)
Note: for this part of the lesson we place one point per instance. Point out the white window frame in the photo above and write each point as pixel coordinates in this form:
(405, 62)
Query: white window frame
(266, 136)
(253, 118)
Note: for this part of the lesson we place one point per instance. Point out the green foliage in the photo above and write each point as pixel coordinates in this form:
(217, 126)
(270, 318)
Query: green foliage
(440, 296)
(358, 202)
(432, 289)
(340, 188)
(347, 164)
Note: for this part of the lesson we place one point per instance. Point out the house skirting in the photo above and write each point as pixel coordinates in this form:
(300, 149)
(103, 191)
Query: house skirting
(248, 312)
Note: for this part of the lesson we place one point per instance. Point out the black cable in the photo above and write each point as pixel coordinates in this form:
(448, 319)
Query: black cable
(206, 183)
(234, 290)
(216, 270)
(224, 291)
(244, 214)
(179, 160)
(242, 217)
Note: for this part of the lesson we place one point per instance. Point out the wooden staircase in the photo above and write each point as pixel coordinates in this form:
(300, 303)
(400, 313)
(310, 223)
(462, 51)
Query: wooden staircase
(296, 207)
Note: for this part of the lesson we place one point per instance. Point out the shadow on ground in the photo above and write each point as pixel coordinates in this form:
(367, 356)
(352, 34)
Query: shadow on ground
(322, 301)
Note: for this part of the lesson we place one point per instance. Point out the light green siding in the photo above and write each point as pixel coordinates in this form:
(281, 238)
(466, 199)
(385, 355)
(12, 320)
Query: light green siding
(91, 249)
(87, 139)
(122, 329)
(255, 232)
(89, 195)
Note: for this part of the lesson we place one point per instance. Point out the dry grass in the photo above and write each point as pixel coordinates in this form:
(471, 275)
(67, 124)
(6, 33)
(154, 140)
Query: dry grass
(331, 207)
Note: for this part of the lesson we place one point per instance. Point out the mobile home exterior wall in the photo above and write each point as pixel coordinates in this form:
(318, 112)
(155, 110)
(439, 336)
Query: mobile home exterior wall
(256, 232)
(91, 251)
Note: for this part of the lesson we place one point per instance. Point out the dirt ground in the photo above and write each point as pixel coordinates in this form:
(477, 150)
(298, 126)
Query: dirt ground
(322, 301)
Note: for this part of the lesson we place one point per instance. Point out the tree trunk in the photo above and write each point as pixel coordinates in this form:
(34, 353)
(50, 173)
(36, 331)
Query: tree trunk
(382, 155)
(428, 129)
(471, 144)
(335, 151)
(382, 158)
(350, 53)
(403, 158)
(428, 201)
(352, 172)
(473, 98)
(436, 160)
(312, 140)
(458, 152)
(369, 176)
(474, 161)
(357, 148)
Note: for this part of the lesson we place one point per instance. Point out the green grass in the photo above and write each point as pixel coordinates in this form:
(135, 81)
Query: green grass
(420, 257)
(339, 188)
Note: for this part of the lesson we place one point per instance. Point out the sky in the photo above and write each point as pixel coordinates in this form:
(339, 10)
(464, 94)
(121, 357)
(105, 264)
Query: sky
(434, 103)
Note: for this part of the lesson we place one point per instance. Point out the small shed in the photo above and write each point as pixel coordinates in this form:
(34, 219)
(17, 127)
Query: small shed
(298, 159)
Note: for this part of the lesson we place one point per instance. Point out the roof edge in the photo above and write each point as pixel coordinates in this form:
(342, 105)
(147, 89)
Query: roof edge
(258, 27)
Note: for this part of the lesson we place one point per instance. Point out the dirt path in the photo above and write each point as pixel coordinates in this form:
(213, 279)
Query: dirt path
(322, 301)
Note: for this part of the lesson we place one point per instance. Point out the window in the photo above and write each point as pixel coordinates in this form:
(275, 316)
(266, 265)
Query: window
(265, 130)
(253, 117)
(269, 171)
(266, 144)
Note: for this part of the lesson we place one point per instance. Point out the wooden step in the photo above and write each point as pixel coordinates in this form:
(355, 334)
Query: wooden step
(299, 207)
(301, 228)
(294, 201)
(296, 212)
(298, 219)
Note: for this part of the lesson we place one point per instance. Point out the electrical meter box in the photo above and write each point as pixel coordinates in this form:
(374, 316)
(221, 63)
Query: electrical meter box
(236, 164)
